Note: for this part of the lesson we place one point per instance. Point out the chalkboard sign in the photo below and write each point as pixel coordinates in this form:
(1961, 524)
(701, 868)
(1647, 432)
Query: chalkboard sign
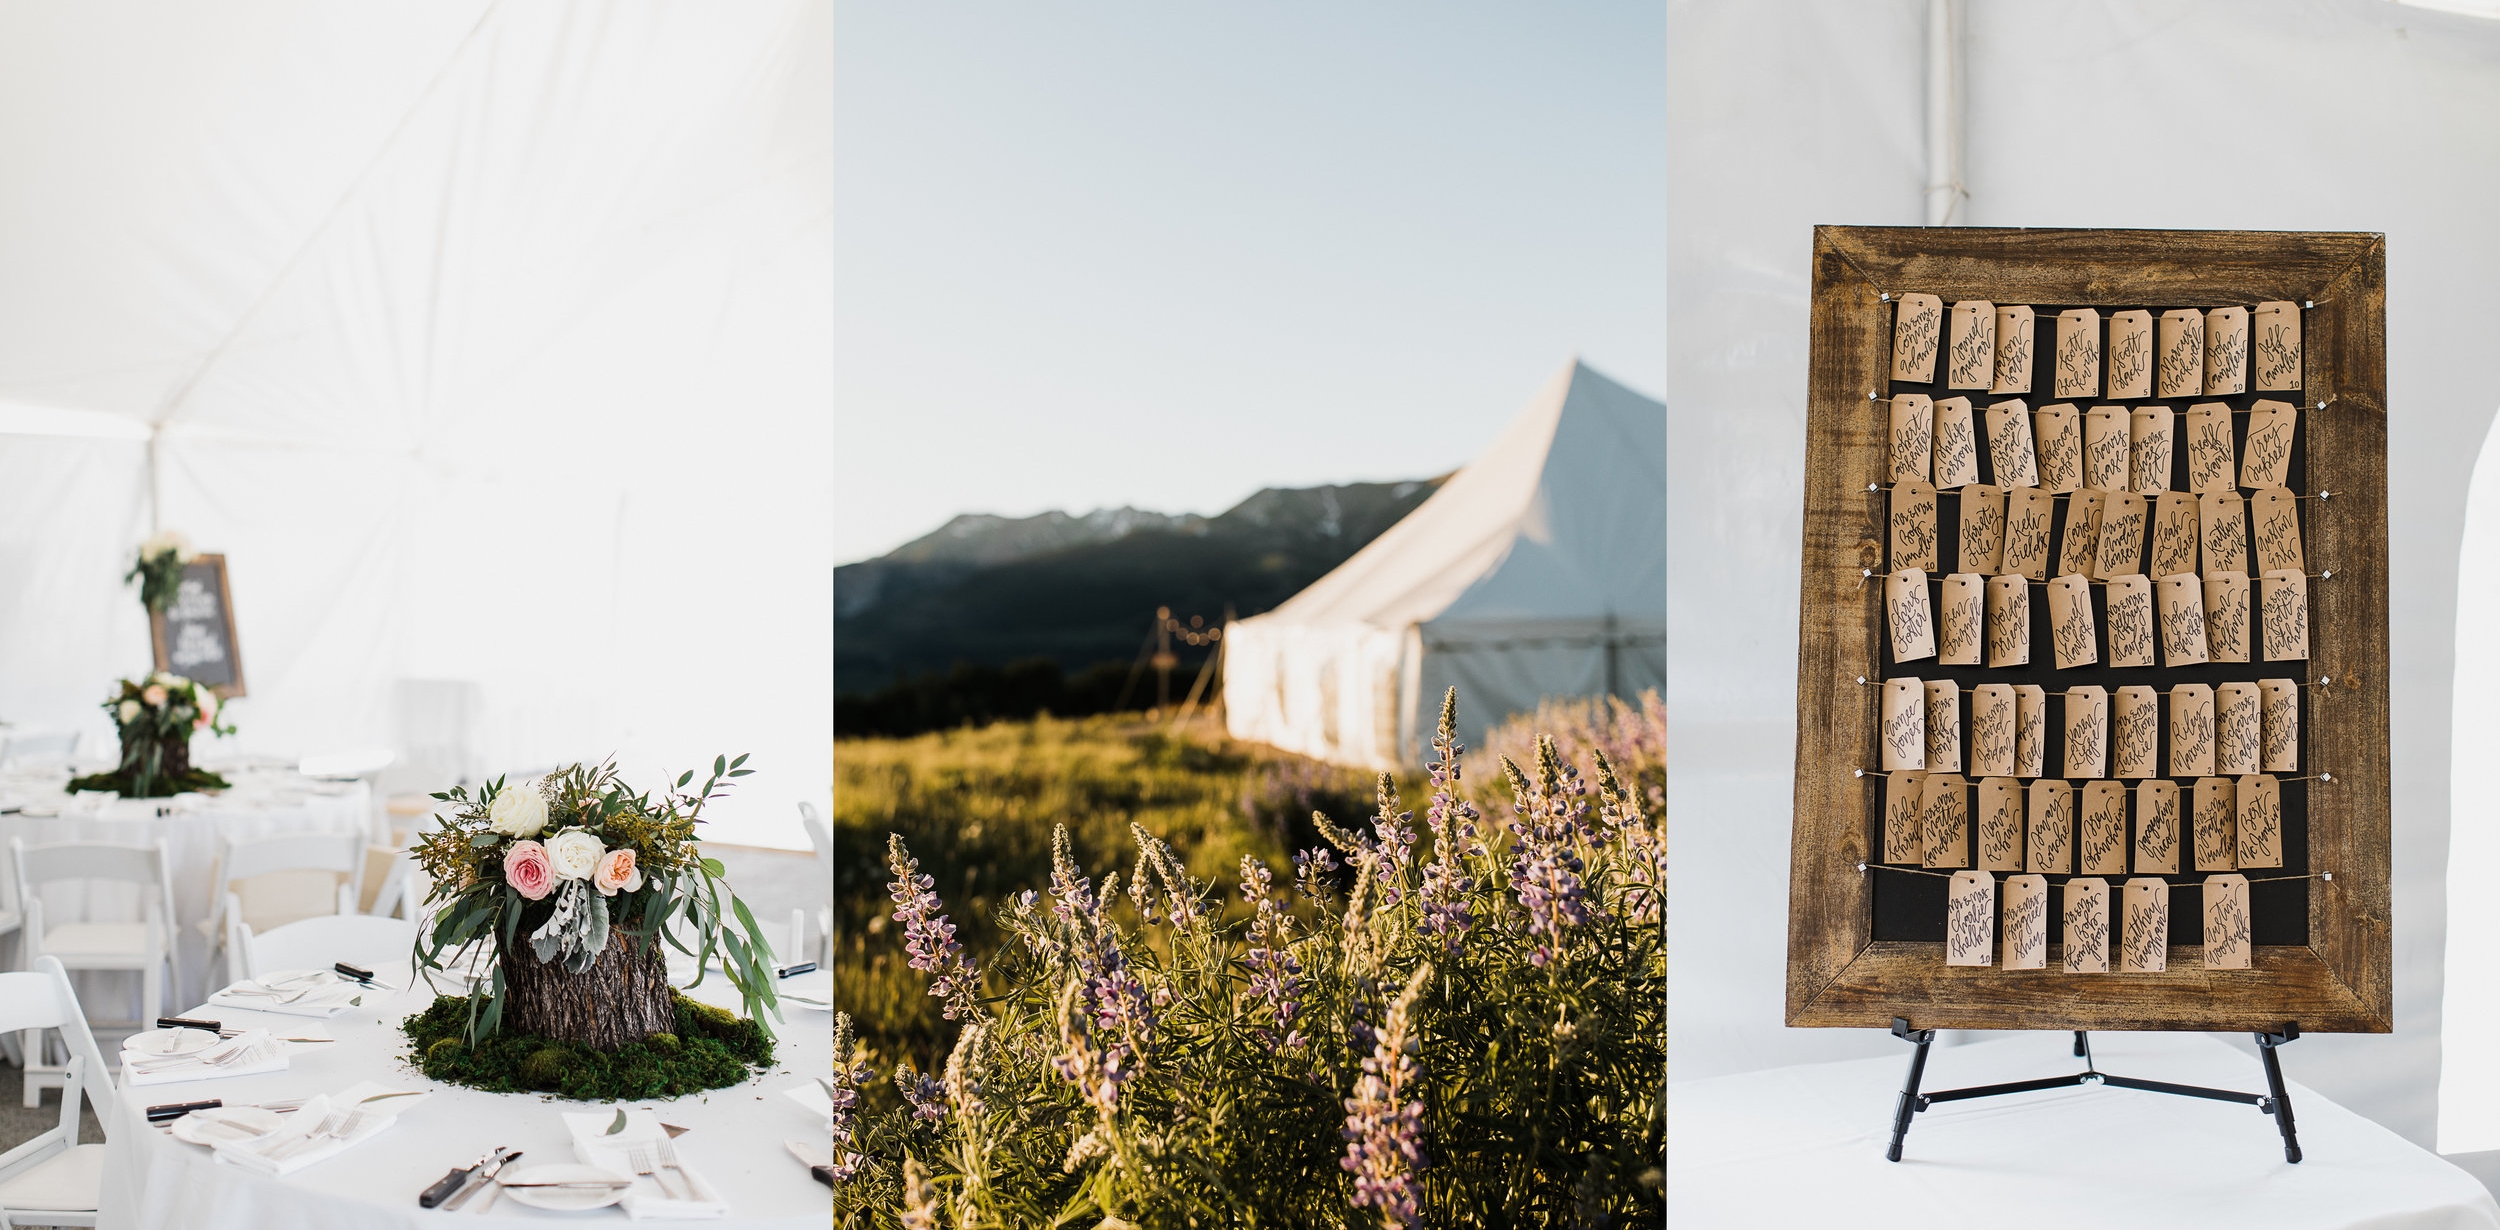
(195, 636)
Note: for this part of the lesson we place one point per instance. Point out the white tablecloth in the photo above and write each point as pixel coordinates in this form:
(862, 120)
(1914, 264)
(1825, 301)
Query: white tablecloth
(265, 802)
(1804, 1146)
(152, 1180)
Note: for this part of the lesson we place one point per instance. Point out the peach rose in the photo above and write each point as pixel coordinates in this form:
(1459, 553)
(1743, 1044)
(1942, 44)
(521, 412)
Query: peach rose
(615, 871)
(526, 869)
(154, 695)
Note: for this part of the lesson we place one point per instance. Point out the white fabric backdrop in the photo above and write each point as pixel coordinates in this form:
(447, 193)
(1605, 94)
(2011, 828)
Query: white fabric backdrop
(488, 341)
(2324, 115)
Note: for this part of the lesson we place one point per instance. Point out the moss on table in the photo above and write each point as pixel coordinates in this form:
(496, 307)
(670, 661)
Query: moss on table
(712, 1049)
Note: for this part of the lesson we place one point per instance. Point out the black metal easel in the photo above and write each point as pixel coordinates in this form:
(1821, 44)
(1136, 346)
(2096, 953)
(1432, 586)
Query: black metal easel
(2276, 1103)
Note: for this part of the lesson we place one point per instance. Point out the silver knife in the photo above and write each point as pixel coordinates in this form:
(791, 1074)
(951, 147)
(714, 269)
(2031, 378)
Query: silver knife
(479, 1178)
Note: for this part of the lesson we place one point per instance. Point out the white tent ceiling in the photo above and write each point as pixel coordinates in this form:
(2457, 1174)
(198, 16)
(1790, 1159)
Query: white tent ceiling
(487, 340)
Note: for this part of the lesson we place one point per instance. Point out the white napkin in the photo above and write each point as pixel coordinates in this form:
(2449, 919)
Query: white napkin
(646, 1198)
(812, 1096)
(327, 999)
(259, 1053)
(278, 1152)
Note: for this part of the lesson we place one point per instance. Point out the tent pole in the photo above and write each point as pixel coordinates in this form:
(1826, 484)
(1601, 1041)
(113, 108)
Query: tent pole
(156, 486)
(1945, 191)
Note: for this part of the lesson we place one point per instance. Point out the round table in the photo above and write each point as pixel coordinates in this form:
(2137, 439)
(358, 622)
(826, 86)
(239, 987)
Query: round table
(265, 802)
(735, 1139)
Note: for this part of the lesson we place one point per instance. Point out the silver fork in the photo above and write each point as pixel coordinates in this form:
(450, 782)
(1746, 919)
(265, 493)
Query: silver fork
(339, 1124)
(668, 1159)
(640, 1157)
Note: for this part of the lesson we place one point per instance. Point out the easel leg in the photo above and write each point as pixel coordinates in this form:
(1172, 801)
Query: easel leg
(2266, 1042)
(1909, 1092)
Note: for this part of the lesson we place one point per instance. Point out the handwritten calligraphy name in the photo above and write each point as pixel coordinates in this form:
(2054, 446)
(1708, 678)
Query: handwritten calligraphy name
(2226, 627)
(1956, 452)
(2151, 460)
(2087, 930)
(2183, 624)
(1961, 625)
(2282, 726)
(2225, 350)
(2261, 817)
(1944, 729)
(2010, 445)
(1944, 827)
(1915, 338)
(2073, 634)
(2278, 354)
(2027, 537)
(2061, 456)
(2103, 830)
(1999, 830)
(2191, 733)
(2083, 738)
(2026, 932)
(2160, 830)
(2213, 828)
(2028, 727)
(2130, 625)
(1905, 732)
(2278, 540)
(1901, 821)
(1992, 733)
(2182, 366)
(2286, 619)
(2014, 353)
(1909, 619)
(1974, 354)
(2138, 727)
(2209, 453)
(1914, 530)
(2108, 461)
(2148, 928)
(2226, 929)
(2048, 837)
(1910, 442)
(2237, 740)
(2269, 449)
(1967, 923)
(2174, 540)
(2078, 361)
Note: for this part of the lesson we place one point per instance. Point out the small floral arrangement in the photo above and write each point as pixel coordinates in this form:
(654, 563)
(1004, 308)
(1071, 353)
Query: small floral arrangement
(157, 716)
(552, 867)
(158, 569)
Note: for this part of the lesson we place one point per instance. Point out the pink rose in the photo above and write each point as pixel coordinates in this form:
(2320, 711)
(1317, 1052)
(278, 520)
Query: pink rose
(155, 695)
(615, 870)
(526, 869)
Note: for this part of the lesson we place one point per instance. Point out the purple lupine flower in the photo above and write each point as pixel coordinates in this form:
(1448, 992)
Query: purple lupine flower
(1275, 977)
(928, 937)
(963, 1089)
(1310, 871)
(927, 1096)
(1095, 1071)
(1384, 1123)
(1180, 896)
(843, 1092)
(1644, 856)
(1392, 842)
(1546, 869)
(920, 1200)
(1453, 823)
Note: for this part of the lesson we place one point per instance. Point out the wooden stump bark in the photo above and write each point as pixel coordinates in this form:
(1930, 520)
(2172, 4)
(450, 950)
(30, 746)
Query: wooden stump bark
(173, 762)
(625, 996)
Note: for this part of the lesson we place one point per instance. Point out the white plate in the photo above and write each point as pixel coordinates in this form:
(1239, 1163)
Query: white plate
(209, 1127)
(170, 1041)
(563, 1199)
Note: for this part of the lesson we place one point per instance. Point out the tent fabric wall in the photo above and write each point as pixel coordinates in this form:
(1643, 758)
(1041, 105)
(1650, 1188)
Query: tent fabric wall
(506, 364)
(2342, 115)
(1535, 572)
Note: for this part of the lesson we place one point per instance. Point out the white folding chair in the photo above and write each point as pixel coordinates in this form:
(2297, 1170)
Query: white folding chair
(821, 838)
(378, 944)
(144, 947)
(340, 854)
(398, 896)
(52, 1180)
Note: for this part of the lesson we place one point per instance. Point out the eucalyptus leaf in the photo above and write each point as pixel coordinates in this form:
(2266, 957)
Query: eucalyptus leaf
(617, 1126)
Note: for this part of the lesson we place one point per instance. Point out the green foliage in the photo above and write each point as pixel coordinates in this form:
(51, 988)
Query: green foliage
(711, 1049)
(158, 570)
(1502, 984)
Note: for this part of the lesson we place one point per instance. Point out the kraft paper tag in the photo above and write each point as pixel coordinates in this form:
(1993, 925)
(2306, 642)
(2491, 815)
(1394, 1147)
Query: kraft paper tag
(1905, 612)
(2275, 517)
(2029, 512)
(2238, 729)
(2181, 371)
(1957, 445)
(2228, 943)
(2191, 730)
(1970, 918)
(2130, 621)
(2108, 446)
(1914, 526)
(1957, 619)
(2148, 465)
(2226, 351)
(1944, 726)
(2176, 528)
(2058, 433)
(2031, 730)
(1945, 820)
(2078, 545)
(2281, 724)
(2215, 824)
(2101, 849)
(2125, 516)
(2261, 820)
(1971, 346)
(2135, 732)
(2085, 729)
(1918, 325)
(2283, 616)
(1905, 724)
(2131, 353)
(2078, 353)
(2070, 622)
(2274, 345)
(2009, 445)
(2050, 826)
(2026, 922)
(2009, 621)
(2224, 518)
(2157, 827)
(2087, 925)
(1992, 730)
(1913, 438)
(2180, 600)
(2013, 363)
(2207, 431)
(2266, 458)
(2000, 824)
(2226, 618)
(2144, 935)
(1981, 544)
(1905, 833)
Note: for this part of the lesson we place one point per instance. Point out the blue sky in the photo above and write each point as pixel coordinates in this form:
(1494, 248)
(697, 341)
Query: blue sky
(1164, 255)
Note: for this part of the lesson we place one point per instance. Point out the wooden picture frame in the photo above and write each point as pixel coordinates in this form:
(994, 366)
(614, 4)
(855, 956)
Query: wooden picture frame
(232, 641)
(1838, 973)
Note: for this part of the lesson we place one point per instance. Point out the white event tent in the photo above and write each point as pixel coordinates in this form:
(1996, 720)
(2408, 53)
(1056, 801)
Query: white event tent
(1537, 571)
(487, 341)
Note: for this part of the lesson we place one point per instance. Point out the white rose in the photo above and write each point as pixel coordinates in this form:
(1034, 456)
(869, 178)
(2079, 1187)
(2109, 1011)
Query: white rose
(574, 853)
(129, 711)
(518, 811)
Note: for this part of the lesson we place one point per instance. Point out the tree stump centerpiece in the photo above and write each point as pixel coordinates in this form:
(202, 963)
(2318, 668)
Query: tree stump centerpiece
(157, 717)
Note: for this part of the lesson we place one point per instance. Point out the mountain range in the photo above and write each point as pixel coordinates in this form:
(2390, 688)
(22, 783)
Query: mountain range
(1081, 591)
